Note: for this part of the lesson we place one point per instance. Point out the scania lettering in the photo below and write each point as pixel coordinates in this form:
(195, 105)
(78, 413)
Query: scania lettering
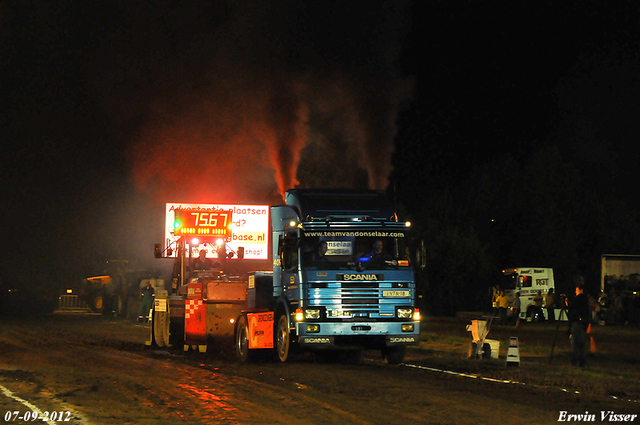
(317, 340)
(402, 340)
(358, 277)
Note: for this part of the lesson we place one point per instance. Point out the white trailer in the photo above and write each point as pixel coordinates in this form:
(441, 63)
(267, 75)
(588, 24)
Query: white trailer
(615, 265)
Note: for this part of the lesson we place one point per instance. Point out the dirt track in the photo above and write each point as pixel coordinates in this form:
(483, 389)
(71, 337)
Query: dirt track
(99, 370)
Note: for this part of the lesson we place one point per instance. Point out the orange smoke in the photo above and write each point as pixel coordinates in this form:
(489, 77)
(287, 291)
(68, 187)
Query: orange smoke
(287, 119)
(245, 150)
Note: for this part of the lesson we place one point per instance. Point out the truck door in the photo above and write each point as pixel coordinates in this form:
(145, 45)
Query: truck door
(288, 250)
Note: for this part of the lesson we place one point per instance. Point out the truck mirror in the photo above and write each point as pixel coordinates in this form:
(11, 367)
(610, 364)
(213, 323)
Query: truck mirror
(158, 250)
(240, 252)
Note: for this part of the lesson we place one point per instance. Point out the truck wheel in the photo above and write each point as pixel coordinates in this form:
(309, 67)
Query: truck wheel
(283, 338)
(161, 328)
(394, 355)
(242, 340)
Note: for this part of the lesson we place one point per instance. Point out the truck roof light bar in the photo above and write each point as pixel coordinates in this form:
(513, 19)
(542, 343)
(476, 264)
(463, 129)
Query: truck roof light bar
(345, 218)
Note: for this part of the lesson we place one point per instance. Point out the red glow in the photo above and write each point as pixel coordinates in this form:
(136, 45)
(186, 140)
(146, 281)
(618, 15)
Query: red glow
(246, 148)
(209, 399)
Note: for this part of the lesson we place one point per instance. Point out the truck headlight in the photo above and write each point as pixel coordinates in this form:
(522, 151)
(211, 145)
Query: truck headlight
(405, 313)
(312, 314)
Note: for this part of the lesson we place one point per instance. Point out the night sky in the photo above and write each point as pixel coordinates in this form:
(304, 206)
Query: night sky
(110, 109)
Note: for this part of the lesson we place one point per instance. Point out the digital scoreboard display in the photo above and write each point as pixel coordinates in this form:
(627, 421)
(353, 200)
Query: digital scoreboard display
(189, 222)
(210, 222)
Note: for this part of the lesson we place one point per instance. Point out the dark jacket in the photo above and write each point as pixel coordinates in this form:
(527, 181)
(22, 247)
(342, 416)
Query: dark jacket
(579, 310)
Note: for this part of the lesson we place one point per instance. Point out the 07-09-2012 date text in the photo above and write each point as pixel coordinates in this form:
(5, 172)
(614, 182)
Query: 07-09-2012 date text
(15, 415)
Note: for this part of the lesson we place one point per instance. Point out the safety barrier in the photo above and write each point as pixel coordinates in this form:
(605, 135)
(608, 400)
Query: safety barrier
(72, 303)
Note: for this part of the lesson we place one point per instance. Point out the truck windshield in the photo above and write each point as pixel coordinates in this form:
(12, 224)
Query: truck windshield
(509, 281)
(351, 249)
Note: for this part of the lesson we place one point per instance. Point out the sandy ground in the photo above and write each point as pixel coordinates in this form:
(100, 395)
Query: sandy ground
(96, 370)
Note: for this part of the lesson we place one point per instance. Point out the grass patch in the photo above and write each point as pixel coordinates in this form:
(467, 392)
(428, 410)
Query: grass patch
(613, 370)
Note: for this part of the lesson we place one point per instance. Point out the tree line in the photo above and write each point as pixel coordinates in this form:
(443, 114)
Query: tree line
(513, 211)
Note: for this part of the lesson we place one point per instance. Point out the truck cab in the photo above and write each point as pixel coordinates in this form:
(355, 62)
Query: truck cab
(342, 273)
(528, 281)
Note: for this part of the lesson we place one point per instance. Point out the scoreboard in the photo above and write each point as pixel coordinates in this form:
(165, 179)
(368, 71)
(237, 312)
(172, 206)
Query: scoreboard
(202, 222)
(244, 226)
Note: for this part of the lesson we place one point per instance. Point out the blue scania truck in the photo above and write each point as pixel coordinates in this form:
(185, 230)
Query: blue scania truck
(342, 281)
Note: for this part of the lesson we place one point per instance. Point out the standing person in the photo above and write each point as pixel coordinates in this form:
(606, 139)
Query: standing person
(579, 313)
(616, 306)
(603, 314)
(503, 304)
(537, 307)
(550, 305)
(491, 294)
(494, 302)
(515, 305)
(146, 302)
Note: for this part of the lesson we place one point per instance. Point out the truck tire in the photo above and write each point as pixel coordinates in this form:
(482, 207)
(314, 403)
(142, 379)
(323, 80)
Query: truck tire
(242, 340)
(394, 355)
(282, 338)
(161, 328)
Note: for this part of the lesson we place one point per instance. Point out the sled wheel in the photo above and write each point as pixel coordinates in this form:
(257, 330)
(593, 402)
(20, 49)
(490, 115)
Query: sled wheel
(161, 328)
(242, 340)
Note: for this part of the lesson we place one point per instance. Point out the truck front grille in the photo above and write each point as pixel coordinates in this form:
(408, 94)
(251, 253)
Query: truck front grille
(357, 298)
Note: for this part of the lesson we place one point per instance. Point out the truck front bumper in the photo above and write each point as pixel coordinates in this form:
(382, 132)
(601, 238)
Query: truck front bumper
(357, 335)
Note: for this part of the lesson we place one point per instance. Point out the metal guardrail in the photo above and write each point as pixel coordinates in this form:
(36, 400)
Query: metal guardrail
(72, 302)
